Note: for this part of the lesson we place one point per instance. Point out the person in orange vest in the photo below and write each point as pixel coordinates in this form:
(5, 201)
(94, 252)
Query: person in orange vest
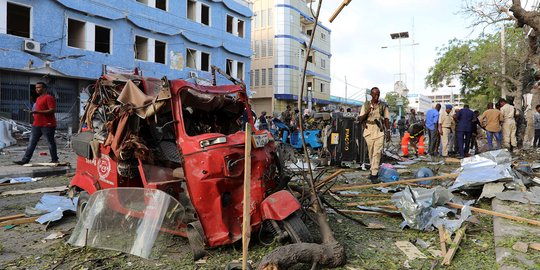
(414, 135)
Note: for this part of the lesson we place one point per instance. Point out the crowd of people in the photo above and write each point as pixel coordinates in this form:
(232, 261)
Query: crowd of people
(452, 131)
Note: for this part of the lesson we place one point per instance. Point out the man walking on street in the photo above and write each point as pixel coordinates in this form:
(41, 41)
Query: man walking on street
(375, 117)
(402, 127)
(446, 121)
(432, 120)
(509, 125)
(491, 120)
(537, 127)
(464, 130)
(44, 124)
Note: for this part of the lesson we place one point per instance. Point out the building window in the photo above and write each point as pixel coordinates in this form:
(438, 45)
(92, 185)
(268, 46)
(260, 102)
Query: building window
(263, 18)
(18, 20)
(191, 58)
(256, 77)
(160, 52)
(256, 16)
(76, 34)
(191, 10)
(322, 87)
(228, 67)
(205, 15)
(230, 22)
(310, 58)
(240, 70)
(241, 28)
(205, 61)
(257, 47)
(251, 79)
(263, 76)
(102, 41)
(270, 76)
(141, 48)
(270, 47)
(308, 32)
(270, 17)
(323, 63)
(323, 36)
(202, 17)
(161, 4)
(263, 48)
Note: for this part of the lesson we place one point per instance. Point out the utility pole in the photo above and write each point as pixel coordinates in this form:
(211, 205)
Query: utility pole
(503, 60)
(345, 88)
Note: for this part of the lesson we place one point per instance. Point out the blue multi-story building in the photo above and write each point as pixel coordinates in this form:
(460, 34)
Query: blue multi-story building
(70, 43)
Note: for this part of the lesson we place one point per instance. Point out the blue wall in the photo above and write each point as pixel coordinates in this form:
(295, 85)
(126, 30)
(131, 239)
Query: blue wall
(127, 18)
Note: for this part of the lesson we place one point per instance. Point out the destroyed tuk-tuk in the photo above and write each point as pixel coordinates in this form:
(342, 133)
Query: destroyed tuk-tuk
(180, 142)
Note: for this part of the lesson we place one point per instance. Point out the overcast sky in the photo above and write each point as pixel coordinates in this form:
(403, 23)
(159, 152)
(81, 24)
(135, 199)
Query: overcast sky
(364, 26)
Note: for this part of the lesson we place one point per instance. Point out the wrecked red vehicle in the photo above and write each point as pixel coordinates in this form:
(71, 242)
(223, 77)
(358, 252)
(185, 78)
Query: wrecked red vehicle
(186, 140)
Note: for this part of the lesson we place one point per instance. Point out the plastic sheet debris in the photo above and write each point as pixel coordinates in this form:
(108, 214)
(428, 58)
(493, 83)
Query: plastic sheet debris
(54, 207)
(530, 197)
(484, 168)
(491, 189)
(131, 220)
(408, 162)
(23, 179)
(422, 208)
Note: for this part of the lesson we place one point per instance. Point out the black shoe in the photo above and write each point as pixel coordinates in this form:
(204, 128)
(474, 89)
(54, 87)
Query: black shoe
(20, 162)
(374, 179)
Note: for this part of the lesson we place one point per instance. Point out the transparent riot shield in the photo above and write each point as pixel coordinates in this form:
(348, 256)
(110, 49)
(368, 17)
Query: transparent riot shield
(133, 220)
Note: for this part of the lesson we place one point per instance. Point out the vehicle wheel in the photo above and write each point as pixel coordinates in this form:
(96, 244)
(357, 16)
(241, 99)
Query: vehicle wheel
(82, 202)
(196, 241)
(297, 229)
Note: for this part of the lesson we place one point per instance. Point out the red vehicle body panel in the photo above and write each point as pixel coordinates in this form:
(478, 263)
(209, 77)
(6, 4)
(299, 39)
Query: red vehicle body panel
(213, 174)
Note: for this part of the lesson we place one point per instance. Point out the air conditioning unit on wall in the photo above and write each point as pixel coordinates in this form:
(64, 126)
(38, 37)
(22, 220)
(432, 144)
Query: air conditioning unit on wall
(32, 46)
(193, 74)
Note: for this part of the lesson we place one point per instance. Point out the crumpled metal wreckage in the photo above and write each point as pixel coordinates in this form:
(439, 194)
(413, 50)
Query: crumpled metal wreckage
(423, 209)
(484, 168)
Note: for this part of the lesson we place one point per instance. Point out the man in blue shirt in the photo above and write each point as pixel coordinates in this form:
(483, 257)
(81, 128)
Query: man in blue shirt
(432, 126)
(464, 119)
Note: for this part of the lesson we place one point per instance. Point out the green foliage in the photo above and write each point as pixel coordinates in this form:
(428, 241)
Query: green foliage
(477, 64)
(391, 98)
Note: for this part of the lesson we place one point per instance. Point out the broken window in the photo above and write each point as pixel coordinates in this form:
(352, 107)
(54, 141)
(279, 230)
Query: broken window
(18, 20)
(191, 58)
(241, 28)
(210, 113)
(161, 4)
(191, 10)
(102, 41)
(263, 76)
(141, 48)
(205, 15)
(270, 76)
(310, 58)
(308, 32)
(240, 70)
(228, 66)
(205, 61)
(230, 20)
(160, 52)
(76, 34)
